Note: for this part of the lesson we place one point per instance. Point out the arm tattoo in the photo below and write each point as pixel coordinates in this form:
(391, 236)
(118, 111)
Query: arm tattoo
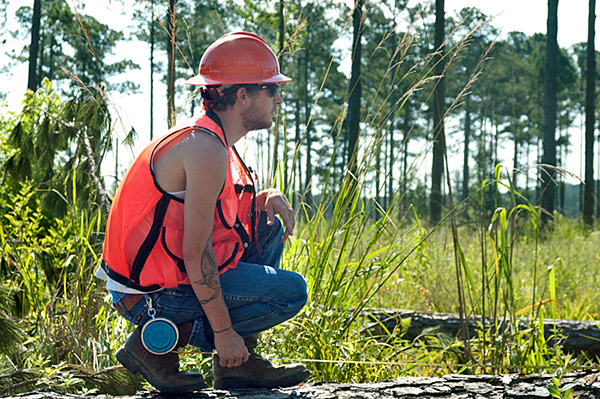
(210, 273)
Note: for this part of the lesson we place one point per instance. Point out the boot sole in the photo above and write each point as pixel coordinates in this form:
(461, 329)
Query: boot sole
(133, 365)
(241, 382)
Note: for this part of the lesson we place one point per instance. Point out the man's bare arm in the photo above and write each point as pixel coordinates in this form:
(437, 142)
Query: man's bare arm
(205, 163)
(209, 271)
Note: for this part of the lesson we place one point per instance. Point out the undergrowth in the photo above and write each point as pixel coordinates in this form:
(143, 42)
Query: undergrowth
(69, 332)
(495, 264)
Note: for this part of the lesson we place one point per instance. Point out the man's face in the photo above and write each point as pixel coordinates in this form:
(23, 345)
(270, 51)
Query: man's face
(262, 109)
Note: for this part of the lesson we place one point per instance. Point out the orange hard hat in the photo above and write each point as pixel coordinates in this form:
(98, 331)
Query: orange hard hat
(238, 58)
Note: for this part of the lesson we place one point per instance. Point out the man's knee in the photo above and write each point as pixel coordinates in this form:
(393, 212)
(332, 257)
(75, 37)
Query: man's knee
(298, 292)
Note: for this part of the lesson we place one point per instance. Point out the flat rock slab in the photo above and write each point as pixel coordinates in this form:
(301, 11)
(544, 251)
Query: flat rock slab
(587, 385)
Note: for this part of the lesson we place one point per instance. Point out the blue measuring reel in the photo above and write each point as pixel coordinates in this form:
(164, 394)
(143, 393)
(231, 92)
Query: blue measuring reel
(159, 335)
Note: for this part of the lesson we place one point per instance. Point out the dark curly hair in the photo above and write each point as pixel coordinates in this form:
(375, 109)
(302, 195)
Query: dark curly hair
(215, 98)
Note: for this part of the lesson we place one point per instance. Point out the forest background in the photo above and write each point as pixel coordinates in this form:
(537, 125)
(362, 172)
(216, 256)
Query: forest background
(416, 145)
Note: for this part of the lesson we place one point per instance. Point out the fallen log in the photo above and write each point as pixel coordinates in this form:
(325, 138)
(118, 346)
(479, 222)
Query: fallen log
(575, 336)
(585, 385)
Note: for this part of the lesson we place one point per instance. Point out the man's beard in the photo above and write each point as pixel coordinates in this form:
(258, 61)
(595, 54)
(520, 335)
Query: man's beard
(255, 121)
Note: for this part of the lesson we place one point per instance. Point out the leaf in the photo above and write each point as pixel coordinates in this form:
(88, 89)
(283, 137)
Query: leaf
(553, 390)
(568, 388)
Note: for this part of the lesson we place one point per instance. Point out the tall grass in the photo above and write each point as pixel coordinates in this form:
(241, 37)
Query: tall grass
(356, 254)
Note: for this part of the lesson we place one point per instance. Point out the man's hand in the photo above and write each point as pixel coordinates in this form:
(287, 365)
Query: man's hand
(275, 203)
(231, 349)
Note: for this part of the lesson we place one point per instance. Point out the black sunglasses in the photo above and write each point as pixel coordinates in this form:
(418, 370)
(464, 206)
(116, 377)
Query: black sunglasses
(273, 89)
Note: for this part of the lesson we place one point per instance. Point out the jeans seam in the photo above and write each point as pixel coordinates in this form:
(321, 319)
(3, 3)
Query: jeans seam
(248, 299)
(253, 321)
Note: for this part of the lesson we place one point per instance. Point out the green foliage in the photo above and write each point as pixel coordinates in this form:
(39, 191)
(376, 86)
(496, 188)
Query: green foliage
(48, 263)
(558, 391)
(10, 330)
(31, 133)
(58, 329)
(75, 48)
(51, 144)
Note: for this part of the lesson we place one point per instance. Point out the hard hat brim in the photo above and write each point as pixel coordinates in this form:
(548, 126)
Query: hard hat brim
(200, 80)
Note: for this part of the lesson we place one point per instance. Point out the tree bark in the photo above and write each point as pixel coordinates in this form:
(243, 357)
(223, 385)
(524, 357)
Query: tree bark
(307, 192)
(34, 47)
(516, 143)
(390, 166)
(275, 129)
(454, 386)
(171, 40)
(465, 184)
(547, 172)
(590, 120)
(297, 181)
(578, 335)
(437, 168)
(406, 132)
(91, 158)
(355, 88)
(152, 72)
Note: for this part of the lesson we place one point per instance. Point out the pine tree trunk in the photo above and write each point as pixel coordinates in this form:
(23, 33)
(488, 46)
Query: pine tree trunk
(35, 45)
(406, 130)
(465, 185)
(391, 158)
(437, 168)
(275, 157)
(495, 149)
(297, 180)
(42, 59)
(528, 151)
(549, 143)
(152, 72)
(378, 179)
(590, 120)
(598, 190)
(171, 40)
(116, 150)
(355, 89)
(307, 124)
(50, 59)
(516, 142)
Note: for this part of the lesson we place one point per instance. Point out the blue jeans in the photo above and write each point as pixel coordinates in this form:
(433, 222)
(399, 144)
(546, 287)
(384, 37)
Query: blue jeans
(258, 294)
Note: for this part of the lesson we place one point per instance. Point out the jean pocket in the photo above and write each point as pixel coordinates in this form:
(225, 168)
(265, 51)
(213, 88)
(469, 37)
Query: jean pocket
(136, 314)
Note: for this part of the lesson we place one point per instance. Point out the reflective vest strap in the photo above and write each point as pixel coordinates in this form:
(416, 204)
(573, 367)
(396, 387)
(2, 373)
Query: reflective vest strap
(228, 261)
(151, 239)
(254, 223)
(119, 278)
(178, 260)
(222, 215)
(251, 188)
(215, 118)
(248, 188)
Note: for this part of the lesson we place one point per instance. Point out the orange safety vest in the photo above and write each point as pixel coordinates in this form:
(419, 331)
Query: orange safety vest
(144, 232)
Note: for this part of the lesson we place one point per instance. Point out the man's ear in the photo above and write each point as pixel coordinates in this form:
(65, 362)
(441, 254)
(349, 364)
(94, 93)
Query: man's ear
(242, 96)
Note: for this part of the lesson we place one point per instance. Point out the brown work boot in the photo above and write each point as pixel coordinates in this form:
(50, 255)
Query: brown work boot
(257, 372)
(161, 371)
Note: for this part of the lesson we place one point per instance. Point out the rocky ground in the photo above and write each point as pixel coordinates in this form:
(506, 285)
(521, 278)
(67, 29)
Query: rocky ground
(586, 385)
